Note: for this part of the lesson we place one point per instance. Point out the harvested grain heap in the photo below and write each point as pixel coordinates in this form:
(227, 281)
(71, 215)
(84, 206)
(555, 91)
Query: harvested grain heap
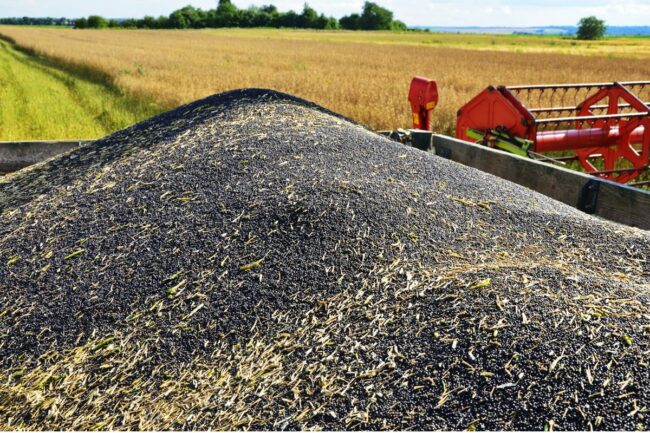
(253, 261)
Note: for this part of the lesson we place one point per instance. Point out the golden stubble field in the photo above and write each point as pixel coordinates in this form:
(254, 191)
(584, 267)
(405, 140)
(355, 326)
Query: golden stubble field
(363, 80)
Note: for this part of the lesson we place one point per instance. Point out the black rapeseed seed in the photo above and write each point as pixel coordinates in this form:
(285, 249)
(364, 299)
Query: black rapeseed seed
(252, 261)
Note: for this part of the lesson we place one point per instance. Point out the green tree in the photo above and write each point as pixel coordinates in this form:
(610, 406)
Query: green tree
(375, 17)
(590, 28)
(308, 18)
(97, 22)
(178, 21)
(398, 26)
(226, 9)
(162, 22)
(188, 17)
(289, 19)
(226, 15)
(129, 23)
(331, 24)
(148, 22)
(81, 23)
(269, 9)
(351, 22)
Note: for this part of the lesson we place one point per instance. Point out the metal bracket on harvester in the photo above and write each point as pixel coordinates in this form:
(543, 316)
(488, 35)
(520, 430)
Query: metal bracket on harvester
(588, 198)
(418, 138)
(501, 139)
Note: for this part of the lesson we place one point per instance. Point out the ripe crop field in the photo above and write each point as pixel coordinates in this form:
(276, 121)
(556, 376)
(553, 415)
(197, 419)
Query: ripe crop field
(621, 47)
(362, 75)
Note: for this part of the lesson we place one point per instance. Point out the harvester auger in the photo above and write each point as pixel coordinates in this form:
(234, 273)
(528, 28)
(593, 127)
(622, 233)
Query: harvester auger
(603, 126)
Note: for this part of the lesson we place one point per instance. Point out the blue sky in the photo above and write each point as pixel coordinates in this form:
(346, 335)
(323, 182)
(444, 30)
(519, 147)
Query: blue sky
(414, 12)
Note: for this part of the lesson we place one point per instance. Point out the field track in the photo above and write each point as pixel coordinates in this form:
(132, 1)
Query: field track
(41, 101)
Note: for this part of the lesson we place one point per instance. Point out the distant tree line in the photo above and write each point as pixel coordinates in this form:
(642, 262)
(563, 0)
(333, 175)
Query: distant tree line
(372, 17)
(27, 21)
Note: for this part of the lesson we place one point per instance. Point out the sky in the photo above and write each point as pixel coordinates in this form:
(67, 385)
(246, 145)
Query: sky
(489, 13)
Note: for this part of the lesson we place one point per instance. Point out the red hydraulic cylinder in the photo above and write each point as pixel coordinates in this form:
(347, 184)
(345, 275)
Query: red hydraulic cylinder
(551, 141)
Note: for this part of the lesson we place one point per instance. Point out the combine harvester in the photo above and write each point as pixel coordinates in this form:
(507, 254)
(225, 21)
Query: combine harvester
(527, 133)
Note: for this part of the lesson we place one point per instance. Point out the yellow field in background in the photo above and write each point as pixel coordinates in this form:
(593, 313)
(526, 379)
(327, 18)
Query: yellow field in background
(362, 75)
(614, 47)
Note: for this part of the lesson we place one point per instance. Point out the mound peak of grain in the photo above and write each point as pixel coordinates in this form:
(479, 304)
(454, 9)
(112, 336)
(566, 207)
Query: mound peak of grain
(254, 261)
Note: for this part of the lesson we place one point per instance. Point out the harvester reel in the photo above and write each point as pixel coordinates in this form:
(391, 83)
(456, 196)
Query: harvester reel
(605, 127)
(621, 162)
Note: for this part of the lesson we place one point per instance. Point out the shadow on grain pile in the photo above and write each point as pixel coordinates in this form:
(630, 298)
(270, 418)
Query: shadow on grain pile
(253, 261)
